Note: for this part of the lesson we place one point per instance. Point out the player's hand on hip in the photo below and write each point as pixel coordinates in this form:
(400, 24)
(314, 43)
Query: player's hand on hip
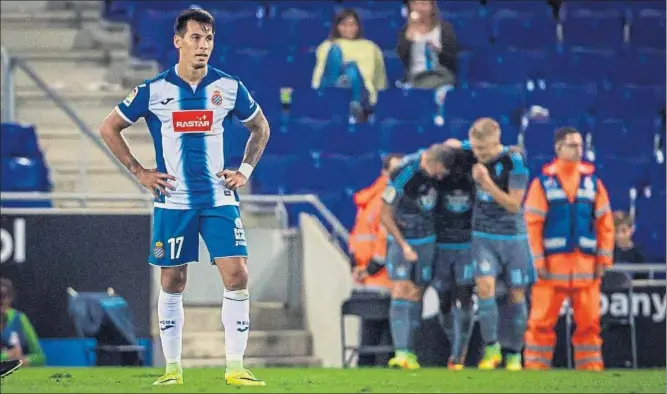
(233, 179)
(409, 254)
(156, 182)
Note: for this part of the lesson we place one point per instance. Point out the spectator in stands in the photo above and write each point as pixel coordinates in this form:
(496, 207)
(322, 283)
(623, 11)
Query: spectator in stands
(427, 47)
(368, 246)
(19, 339)
(346, 59)
(626, 252)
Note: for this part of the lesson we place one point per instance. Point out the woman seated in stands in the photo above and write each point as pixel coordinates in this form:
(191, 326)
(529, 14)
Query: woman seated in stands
(19, 339)
(427, 47)
(346, 59)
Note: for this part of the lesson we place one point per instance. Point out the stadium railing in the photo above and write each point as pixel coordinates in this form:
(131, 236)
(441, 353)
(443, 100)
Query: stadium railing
(9, 68)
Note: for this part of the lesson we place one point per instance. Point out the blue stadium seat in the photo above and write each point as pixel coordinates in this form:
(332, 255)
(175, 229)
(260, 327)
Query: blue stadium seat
(270, 176)
(23, 174)
(369, 10)
(504, 105)
(296, 138)
(470, 27)
(346, 210)
(305, 33)
(647, 28)
(409, 137)
(457, 128)
(539, 138)
(321, 103)
(576, 66)
(377, 30)
(352, 140)
(650, 227)
(524, 30)
(394, 67)
(641, 67)
(595, 29)
(118, 10)
(365, 170)
(153, 39)
(629, 139)
(319, 173)
(592, 6)
(537, 162)
(471, 6)
(628, 102)
(331, 201)
(267, 34)
(525, 7)
(290, 10)
(656, 177)
(564, 101)
(499, 67)
(406, 104)
(619, 175)
(19, 140)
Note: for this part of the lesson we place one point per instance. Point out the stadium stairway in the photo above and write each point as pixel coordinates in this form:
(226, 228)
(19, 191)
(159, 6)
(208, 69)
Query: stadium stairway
(277, 337)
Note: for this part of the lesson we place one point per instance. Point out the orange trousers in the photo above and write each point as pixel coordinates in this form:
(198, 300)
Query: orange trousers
(546, 303)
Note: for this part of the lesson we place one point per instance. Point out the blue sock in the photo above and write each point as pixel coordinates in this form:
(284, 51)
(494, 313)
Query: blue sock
(465, 322)
(488, 320)
(517, 316)
(402, 316)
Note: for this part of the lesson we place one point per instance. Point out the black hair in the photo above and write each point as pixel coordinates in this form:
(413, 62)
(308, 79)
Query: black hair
(340, 17)
(198, 15)
(443, 154)
(386, 160)
(563, 132)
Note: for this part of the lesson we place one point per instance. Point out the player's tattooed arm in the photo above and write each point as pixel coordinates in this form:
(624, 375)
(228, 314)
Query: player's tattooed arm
(259, 137)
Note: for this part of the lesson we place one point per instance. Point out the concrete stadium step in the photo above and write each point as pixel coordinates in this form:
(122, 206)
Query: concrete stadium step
(75, 5)
(23, 6)
(66, 77)
(74, 55)
(45, 114)
(255, 362)
(263, 317)
(36, 39)
(109, 181)
(45, 19)
(282, 343)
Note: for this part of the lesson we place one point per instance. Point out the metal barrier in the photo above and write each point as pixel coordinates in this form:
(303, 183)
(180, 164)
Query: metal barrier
(9, 66)
(337, 228)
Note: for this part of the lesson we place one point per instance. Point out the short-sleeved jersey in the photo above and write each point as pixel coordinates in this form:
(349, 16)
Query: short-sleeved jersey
(456, 195)
(508, 171)
(187, 124)
(412, 195)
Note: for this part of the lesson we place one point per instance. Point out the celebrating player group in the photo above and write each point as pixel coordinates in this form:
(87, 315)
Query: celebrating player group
(454, 219)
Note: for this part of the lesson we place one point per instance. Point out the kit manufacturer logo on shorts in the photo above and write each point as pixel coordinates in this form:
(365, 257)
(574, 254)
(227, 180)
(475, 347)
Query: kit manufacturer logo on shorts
(158, 250)
(193, 121)
(217, 98)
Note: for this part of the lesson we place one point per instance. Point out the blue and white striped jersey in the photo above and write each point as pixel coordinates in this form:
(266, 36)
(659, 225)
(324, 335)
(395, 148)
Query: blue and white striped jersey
(187, 124)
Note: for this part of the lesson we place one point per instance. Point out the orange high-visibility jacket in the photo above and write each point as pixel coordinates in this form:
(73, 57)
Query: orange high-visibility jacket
(575, 268)
(368, 239)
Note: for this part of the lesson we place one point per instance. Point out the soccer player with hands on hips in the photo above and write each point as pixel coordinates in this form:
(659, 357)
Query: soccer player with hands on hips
(499, 242)
(187, 109)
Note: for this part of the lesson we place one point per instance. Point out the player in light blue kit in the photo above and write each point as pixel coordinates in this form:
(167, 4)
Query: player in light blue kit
(187, 109)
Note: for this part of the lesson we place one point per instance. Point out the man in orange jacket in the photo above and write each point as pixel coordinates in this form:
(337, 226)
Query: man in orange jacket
(571, 234)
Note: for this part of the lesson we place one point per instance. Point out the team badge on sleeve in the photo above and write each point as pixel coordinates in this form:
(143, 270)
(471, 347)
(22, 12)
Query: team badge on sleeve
(389, 194)
(158, 251)
(130, 97)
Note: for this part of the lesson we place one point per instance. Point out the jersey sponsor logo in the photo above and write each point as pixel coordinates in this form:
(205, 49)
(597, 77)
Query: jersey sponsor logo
(217, 98)
(130, 97)
(194, 121)
(458, 202)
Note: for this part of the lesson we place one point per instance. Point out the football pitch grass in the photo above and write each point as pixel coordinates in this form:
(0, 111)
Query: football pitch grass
(307, 380)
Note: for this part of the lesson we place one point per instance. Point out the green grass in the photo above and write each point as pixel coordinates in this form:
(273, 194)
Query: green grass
(133, 380)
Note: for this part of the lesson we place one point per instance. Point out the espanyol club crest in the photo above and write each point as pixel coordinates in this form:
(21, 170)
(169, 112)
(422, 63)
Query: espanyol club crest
(217, 98)
(158, 250)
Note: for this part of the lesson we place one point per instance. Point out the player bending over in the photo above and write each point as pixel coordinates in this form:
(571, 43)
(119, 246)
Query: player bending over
(407, 215)
(185, 108)
(499, 241)
(453, 267)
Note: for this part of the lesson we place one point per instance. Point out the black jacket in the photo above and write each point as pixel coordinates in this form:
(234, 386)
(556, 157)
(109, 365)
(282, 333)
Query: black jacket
(449, 45)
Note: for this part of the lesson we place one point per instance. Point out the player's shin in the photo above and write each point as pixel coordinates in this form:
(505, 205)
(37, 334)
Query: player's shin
(171, 317)
(448, 318)
(517, 319)
(236, 320)
(465, 325)
(405, 319)
(488, 320)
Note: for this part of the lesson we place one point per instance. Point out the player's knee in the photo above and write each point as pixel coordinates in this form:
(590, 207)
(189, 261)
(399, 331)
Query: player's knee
(486, 286)
(517, 296)
(234, 273)
(173, 279)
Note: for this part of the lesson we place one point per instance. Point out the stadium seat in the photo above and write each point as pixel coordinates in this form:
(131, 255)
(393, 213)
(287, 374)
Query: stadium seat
(539, 138)
(524, 30)
(504, 105)
(650, 227)
(270, 176)
(641, 67)
(406, 104)
(629, 139)
(457, 128)
(647, 28)
(409, 137)
(23, 174)
(595, 29)
(19, 140)
(352, 140)
(524, 7)
(328, 103)
(498, 67)
(470, 27)
(628, 102)
(266, 34)
(537, 162)
(365, 170)
(290, 10)
(330, 200)
(564, 101)
(152, 40)
(346, 210)
(296, 138)
(576, 66)
(394, 67)
(656, 177)
(620, 174)
(305, 34)
(321, 173)
(376, 31)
